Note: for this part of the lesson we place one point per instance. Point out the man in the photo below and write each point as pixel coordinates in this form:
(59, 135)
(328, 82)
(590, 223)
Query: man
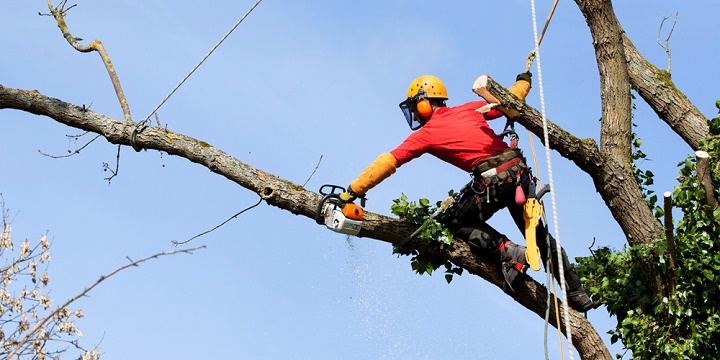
(462, 137)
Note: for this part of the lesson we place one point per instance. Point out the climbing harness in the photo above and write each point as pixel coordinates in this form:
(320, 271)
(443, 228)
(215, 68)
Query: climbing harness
(142, 124)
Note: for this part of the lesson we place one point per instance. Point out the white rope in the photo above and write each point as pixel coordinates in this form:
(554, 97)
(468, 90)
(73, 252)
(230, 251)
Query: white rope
(561, 271)
(200, 63)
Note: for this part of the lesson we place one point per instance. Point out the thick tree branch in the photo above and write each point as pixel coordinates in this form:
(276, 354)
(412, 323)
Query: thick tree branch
(294, 198)
(659, 92)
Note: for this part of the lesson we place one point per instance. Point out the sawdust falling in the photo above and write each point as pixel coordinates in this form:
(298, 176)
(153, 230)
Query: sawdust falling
(379, 317)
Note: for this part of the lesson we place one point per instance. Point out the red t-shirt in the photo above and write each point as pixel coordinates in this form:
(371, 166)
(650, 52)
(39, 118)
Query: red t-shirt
(457, 135)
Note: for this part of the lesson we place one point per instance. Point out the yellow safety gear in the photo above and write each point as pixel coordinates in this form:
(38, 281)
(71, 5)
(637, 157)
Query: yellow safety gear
(434, 88)
(520, 89)
(533, 212)
(384, 166)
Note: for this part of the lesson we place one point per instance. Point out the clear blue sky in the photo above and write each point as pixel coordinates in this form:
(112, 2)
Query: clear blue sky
(300, 80)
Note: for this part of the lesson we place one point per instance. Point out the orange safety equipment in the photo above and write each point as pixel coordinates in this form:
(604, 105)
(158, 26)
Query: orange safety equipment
(420, 91)
(379, 170)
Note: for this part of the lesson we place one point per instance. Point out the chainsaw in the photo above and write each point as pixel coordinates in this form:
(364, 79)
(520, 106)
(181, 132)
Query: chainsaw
(338, 215)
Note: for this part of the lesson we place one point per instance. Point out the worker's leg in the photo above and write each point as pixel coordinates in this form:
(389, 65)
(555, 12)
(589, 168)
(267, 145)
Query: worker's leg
(470, 225)
(577, 297)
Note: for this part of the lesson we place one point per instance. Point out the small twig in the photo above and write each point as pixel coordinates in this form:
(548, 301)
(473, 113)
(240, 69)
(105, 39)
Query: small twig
(216, 227)
(106, 166)
(42, 322)
(666, 47)
(591, 248)
(313, 172)
(75, 137)
(59, 14)
(159, 125)
(69, 152)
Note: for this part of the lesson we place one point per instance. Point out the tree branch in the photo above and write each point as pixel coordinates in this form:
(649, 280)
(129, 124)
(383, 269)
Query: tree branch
(666, 46)
(704, 177)
(668, 102)
(59, 15)
(40, 324)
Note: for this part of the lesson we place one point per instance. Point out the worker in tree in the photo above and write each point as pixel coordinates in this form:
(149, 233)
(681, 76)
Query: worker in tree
(462, 137)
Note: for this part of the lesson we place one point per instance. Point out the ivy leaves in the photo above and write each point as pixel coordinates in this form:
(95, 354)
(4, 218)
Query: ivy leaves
(431, 231)
(686, 325)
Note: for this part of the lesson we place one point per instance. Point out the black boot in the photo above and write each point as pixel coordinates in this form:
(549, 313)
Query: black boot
(578, 299)
(513, 261)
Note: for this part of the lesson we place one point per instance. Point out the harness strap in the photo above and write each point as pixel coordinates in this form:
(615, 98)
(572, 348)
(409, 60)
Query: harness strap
(502, 167)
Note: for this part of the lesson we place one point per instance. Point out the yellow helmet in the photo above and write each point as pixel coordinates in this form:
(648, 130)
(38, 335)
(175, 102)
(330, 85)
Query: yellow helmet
(417, 103)
(432, 86)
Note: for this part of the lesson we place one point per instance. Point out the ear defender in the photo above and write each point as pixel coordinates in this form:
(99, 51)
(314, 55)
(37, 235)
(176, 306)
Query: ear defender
(424, 108)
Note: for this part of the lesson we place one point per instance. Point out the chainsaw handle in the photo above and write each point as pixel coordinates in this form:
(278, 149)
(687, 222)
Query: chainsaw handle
(337, 190)
(333, 189)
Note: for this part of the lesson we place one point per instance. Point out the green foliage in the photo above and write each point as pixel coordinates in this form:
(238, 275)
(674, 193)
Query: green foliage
(431, 231)
(644, 178)
(683, 326)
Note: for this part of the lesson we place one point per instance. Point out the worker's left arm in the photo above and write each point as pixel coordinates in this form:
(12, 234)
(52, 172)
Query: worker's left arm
(523, 83)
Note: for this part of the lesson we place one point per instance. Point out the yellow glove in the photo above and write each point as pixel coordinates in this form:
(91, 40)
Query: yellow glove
(384, 166)
(522, 86)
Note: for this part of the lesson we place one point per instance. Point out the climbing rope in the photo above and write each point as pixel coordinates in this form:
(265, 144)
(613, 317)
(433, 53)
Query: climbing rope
(536, 55)
(141, 124)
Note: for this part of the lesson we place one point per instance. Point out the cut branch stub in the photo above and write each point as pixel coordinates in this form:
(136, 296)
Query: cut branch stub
(480, 87)
(703, 173)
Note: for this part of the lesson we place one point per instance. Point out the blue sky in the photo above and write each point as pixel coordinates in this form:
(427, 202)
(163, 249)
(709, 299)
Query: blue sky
(297, 81)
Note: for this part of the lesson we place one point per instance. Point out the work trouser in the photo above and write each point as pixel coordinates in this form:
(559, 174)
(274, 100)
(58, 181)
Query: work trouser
(477, 205)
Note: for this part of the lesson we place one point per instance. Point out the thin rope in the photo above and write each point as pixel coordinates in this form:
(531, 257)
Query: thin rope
(549, 280)
(200, 63)
(561, 271)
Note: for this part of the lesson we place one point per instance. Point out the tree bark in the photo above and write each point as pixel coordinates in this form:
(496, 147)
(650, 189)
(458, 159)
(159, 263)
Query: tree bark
(703, 173)
(670, 105)
(294, 198)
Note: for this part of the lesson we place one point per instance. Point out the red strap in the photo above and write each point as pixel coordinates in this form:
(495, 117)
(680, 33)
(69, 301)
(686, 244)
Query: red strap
(507, 165)
(502, 244)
